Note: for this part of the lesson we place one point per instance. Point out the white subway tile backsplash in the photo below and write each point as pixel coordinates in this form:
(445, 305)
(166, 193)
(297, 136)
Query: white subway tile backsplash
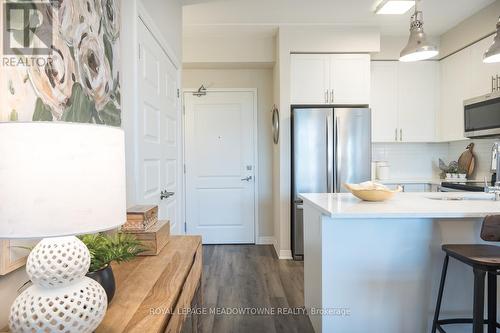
(420, 160)
(482, 151)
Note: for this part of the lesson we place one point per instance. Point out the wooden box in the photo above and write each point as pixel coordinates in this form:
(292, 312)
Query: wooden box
(140, 218)
(154, 239)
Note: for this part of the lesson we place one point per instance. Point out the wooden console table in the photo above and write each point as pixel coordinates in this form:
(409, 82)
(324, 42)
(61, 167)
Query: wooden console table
(153, 293)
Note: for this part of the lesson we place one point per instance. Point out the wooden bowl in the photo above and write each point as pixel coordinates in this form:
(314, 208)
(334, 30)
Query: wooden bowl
(374, 195)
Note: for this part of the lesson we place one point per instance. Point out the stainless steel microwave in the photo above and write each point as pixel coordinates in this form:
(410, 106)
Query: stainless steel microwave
(482, 116)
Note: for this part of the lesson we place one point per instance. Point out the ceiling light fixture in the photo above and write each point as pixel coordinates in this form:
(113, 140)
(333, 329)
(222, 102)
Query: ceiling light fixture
(492, 54)
(418, 47)
(394, 7)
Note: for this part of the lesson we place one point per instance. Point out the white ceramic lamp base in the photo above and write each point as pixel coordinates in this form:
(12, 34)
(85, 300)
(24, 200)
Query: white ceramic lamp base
(62, 298)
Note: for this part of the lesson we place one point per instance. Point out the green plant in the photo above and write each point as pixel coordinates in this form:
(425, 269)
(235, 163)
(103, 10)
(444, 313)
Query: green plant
(105, 249)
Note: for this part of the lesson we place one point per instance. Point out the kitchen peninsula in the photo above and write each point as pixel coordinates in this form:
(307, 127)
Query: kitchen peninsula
(375, 266)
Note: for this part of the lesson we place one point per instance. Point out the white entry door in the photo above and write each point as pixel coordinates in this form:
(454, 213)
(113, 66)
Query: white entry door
(220, 166)
(158, 135)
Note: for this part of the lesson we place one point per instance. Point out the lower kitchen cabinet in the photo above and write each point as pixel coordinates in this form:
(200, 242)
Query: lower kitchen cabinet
(413, 187)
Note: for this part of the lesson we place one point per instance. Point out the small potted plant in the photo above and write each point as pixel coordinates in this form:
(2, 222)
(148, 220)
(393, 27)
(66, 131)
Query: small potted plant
(105, 249)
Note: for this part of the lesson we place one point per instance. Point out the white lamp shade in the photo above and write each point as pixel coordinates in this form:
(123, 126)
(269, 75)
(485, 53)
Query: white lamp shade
(60, 179)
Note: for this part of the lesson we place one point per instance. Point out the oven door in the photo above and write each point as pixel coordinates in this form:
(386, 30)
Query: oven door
(482, 116)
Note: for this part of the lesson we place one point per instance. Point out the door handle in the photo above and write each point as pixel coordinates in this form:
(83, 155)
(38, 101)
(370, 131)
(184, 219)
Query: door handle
(327, 96)
(331, 96)
(165, 194)
(401, 134)
(396, 134)
(246, 179)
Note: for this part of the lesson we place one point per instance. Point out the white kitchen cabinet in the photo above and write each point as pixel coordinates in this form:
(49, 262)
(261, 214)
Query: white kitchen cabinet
(350, 78)
(310, 78)
(330, 79)
(480, 74)
(384, 101)
(463, 76)
(455, 76)
(418, 100)
(404, 101)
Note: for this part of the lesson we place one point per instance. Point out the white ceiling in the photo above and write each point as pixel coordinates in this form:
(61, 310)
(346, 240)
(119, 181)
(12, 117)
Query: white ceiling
(439, 15)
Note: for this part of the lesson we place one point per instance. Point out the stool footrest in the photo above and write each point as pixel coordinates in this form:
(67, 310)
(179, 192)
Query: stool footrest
(458, 321)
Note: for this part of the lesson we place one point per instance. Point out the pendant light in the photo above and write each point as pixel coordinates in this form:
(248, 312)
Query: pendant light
(493, 52)
(418, 47)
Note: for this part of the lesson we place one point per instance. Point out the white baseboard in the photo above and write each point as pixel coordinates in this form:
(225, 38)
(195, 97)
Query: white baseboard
(266, 240)
(285, 255)
(270, 240)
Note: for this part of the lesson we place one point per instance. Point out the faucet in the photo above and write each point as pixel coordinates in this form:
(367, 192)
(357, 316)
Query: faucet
(496, 187)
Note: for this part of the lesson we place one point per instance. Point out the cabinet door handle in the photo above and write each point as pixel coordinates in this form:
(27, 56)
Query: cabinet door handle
(396, 134)
(492, 84)
(401, 134)
(331, 96)
(497, 82)
(326, 97)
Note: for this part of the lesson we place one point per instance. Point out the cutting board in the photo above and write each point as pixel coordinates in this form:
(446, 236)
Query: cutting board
(467, 160)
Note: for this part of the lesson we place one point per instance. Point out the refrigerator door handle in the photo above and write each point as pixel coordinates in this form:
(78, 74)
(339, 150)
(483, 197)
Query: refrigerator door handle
(329, 155)
(336, 157)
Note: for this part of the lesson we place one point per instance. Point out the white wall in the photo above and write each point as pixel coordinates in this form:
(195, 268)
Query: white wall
(231, 46)
(262, 79)
(167, 15)
(391, 46)
(470, 30)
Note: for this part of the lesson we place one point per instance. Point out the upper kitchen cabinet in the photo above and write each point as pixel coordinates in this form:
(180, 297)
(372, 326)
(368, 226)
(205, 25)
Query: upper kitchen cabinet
(418, 101)
(464, 76)
(310, 78)
(350, 79)
(455, 77)
(384, 101)
(330, 79)
(405, 101)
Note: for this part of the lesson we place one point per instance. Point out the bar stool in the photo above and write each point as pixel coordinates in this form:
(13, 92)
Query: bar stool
(485, 260)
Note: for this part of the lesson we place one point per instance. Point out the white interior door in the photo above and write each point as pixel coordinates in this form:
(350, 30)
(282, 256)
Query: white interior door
(220, 166)
(158, 135)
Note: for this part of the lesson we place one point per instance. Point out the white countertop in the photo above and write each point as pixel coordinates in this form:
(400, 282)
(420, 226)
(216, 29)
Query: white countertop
(405, 205)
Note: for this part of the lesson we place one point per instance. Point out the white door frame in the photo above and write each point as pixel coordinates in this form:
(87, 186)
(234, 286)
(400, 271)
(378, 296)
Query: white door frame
(255, 149)
(133, 11)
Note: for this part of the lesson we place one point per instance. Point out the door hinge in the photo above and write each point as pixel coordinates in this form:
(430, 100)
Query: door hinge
(185, 227)
(178, 93)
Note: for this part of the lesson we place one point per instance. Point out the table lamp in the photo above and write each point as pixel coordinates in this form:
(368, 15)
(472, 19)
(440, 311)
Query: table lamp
(58, 180)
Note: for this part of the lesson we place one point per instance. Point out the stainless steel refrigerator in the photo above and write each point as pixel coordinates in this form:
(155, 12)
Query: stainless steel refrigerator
(330, 147)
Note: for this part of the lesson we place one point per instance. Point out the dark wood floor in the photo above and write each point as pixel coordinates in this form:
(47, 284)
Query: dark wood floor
(249, 278)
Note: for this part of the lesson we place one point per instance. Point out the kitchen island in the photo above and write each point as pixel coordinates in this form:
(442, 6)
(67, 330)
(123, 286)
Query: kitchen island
(375, 266)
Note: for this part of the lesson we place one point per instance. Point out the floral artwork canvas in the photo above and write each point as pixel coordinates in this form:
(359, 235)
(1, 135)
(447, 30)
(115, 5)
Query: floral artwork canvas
(80, 80)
